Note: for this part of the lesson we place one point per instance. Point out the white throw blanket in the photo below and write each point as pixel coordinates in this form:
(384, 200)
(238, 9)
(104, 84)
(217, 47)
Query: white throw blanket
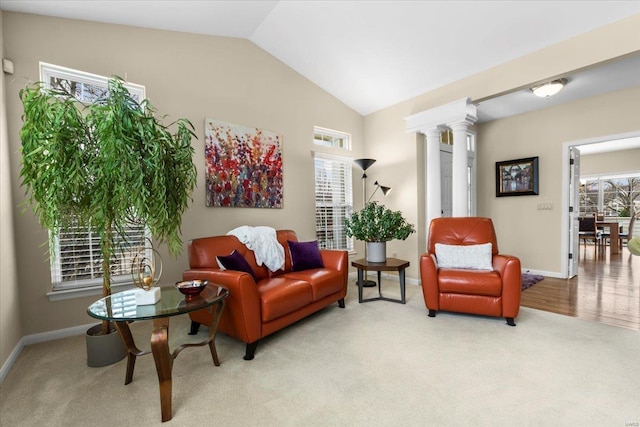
(264, 244)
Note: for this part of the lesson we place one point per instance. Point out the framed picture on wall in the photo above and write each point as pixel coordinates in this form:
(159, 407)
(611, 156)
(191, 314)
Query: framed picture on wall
(517, 177)
(243, 166)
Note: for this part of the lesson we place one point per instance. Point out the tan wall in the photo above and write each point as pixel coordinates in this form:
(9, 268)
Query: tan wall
(185, 75)
(400, 155)
(10, 325)
(531, 234)
(613, 162)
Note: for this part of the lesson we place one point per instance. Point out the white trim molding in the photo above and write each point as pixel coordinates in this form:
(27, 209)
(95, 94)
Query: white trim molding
(458, 111)
(38, 338)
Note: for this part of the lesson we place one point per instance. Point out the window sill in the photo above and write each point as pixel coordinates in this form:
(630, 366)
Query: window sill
(85, 292)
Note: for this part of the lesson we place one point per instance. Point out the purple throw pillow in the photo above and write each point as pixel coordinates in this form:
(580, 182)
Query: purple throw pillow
(235, 261)
(305, 255)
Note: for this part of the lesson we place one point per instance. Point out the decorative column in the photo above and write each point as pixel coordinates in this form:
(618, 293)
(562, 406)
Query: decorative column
(460, 180)
(430, 122)
(433, 196)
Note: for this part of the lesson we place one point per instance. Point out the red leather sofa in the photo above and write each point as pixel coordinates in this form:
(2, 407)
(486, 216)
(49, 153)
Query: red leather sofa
(257, 308)
(490, 293)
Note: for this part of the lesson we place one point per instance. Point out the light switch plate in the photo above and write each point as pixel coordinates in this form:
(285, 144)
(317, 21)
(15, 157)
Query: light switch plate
(7, 66)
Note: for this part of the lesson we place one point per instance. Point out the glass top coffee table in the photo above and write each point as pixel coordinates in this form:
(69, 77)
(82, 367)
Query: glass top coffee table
(121, 308)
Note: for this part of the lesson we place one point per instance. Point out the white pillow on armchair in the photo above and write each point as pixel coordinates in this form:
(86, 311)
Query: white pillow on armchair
(473, 257)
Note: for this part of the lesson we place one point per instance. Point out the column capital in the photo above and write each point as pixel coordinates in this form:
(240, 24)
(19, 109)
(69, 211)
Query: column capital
(462, 125)
(453, 112)
(433, 132)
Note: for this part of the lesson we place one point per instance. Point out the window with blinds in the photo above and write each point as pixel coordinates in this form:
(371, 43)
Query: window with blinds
(76, 261)
(333, 192)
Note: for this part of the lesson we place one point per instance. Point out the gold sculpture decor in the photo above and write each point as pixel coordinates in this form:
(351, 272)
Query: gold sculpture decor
(144, 273)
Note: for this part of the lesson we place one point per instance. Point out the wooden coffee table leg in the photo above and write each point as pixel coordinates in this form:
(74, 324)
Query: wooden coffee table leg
(213, 328)
(132, 350)
(164, 363)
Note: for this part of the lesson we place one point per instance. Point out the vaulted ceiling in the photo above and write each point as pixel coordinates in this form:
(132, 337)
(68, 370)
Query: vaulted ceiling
(373, 54)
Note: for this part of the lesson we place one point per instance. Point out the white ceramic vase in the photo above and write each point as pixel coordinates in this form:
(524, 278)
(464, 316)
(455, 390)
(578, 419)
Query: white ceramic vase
(376, 251)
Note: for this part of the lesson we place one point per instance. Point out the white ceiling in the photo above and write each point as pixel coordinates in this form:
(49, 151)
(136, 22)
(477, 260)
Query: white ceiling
(615, 75)
(373, 54)
(608, 146)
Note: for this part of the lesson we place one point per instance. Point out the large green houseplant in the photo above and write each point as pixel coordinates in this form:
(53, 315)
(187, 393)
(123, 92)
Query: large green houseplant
(104, 164)
(377, 224)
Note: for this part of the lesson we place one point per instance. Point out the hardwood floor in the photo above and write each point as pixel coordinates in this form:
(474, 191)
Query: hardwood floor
(606, 289)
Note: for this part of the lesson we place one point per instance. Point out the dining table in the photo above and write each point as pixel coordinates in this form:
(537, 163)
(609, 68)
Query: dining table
(613, 227)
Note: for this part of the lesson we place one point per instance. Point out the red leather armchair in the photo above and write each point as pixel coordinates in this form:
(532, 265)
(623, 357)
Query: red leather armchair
(490, 293)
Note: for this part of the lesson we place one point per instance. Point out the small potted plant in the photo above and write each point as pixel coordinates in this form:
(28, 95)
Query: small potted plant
(376, 224)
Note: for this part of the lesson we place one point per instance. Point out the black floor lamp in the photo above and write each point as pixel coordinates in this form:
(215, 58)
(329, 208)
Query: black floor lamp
(385, 190)
(365, 164)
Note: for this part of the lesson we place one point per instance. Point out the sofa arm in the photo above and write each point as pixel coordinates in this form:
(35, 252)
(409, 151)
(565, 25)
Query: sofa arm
(429, 278)
(241, 317)
(336, 260)
(509, 269)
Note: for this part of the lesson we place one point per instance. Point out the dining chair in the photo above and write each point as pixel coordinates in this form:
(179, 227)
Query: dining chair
(587, 231)
(605, 232)
(625, 237)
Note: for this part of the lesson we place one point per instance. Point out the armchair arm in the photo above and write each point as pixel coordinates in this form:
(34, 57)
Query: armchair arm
(241, 317)
(509, 269)
(429, 278)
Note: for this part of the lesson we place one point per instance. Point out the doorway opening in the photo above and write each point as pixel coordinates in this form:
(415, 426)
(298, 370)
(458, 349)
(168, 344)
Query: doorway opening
(570, 190)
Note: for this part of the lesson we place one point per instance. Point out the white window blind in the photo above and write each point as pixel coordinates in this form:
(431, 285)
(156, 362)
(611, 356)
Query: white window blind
(334, 200)
(76, 261)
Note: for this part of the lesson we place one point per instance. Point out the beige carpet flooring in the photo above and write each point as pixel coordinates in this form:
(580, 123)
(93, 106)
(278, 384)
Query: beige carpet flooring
(373, 364)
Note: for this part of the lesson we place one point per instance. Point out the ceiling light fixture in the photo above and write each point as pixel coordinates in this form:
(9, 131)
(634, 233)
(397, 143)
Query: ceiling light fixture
(548, 89)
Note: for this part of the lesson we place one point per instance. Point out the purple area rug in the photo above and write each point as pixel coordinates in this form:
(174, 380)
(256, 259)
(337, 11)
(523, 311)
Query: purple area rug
(529, 280)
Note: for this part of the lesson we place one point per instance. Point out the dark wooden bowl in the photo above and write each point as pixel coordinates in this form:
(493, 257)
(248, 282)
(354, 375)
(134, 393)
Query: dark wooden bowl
(191, 288)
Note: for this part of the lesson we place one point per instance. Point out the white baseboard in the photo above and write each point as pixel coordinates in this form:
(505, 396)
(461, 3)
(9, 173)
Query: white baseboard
(389, 276)
(57, 334)
(6, 367)
(38, 338)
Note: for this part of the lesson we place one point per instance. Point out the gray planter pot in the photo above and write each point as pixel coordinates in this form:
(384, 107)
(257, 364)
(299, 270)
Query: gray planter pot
(103, 350)
(376, 251)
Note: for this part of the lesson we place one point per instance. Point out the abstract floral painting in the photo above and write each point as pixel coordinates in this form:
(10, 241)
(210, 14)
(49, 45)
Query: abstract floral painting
(243, 166)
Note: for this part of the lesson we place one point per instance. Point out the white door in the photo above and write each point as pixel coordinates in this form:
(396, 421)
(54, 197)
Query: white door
(574, 210)
(446, 162)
